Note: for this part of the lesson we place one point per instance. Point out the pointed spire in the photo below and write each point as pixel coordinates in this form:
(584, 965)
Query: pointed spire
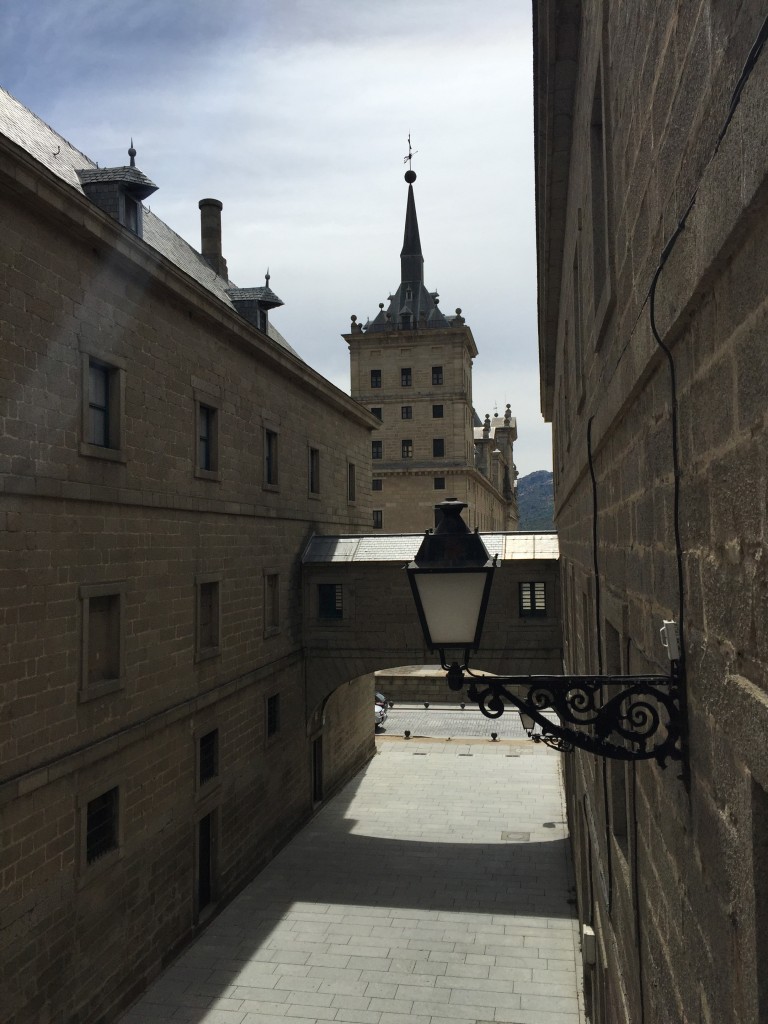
(411, 259)
(132, 154)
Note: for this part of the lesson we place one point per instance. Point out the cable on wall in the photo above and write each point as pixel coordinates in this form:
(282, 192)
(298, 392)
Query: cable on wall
(595, 566)
(746, 71)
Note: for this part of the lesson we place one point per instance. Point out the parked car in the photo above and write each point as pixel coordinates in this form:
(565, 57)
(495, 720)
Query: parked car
(380, 706)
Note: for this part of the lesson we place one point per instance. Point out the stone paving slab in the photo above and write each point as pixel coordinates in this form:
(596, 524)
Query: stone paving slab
(432, 890)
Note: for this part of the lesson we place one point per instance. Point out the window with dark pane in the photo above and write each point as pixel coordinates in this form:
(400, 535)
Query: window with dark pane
(209, 756)
(406, 448)
(271, 601)
(438, 447)
(101, 825)
(378, 520)
(437, 375)
(406, 412)
(314, 470)
(98, 404)
(206, 422)
(270, 457)
(103, 638)
(375, 378)
(209, 616)
(376, 484)
(406, 377)
(351, 482)
(439, 483)
(330, 600)
(273, 714)
(437, 412)
(376, 411)
(377, 450)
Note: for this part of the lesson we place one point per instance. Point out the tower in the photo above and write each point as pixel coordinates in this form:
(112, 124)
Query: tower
(411, 365)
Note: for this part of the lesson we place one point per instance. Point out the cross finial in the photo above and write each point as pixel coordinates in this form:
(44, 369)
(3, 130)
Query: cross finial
(411, 154)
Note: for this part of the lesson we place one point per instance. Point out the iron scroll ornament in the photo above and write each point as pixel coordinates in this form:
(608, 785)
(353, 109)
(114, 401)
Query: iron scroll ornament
(626, 718)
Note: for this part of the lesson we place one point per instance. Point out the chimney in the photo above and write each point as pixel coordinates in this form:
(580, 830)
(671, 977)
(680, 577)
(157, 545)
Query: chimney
(210, 233)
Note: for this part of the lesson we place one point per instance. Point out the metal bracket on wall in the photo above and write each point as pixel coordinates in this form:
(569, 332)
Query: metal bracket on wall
(626, 718)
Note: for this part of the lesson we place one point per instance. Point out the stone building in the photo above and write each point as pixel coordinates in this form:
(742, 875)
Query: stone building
(652, 229)
(412, 367)
(157, 491)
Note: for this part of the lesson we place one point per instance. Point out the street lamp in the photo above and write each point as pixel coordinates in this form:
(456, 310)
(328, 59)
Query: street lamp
(627, 718)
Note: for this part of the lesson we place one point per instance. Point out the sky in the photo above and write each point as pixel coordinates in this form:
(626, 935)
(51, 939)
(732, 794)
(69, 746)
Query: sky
(296, 115)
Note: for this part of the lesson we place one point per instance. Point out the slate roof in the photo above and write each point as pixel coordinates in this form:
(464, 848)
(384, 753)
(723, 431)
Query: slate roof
(61, 158)
(402, 547)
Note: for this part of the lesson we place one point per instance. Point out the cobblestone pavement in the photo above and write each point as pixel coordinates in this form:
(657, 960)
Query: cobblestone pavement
(433, 889)
(450, 721)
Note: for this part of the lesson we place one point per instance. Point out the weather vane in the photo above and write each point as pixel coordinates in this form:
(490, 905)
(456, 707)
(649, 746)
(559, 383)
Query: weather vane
(411, 154)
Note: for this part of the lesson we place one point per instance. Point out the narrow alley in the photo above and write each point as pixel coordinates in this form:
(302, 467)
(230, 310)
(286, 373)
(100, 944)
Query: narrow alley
(434, 889)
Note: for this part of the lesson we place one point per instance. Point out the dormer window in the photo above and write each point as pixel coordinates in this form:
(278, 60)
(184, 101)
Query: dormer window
(118, 191)
(131, 215)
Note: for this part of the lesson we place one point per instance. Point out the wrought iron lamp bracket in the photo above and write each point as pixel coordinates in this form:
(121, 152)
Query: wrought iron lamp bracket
(627, 718)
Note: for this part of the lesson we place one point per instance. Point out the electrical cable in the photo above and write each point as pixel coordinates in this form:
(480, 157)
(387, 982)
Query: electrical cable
(746, 71)
(595, 566)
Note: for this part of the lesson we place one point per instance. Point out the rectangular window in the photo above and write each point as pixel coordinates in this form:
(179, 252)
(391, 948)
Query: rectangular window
(377, 519)
(102, 639)
(330, 601)
(375, 378)
(437, 412)
(376, 411)
(208, 759)
(438, 447)
(98, 404)
(208, 618)
(131, 208)
(533, 599)
(102, 409)
(406, 412)
(406, 377)
(377, 450)
(273, 714)
(406, 449)
(270, 458)
(376, 484)
(314, 470)
(439, 483)
(351, 482)
(101, 834)
(271, 603)
(437, 375)
(207, 440)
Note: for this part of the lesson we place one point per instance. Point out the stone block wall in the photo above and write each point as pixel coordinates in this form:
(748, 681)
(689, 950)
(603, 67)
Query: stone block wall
(669, 863)
(144, 522)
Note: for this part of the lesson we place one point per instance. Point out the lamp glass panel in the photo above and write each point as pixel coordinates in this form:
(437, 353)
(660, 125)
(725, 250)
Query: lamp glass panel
(451, 603)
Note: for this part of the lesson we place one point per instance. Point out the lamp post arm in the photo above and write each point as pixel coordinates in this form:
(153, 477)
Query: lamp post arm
(628, 718)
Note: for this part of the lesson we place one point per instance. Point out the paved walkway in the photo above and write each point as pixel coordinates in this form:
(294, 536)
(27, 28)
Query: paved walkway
(448, 720)
(432, 890)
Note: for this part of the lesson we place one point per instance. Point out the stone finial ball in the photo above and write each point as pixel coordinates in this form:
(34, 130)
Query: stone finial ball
(410, 177)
